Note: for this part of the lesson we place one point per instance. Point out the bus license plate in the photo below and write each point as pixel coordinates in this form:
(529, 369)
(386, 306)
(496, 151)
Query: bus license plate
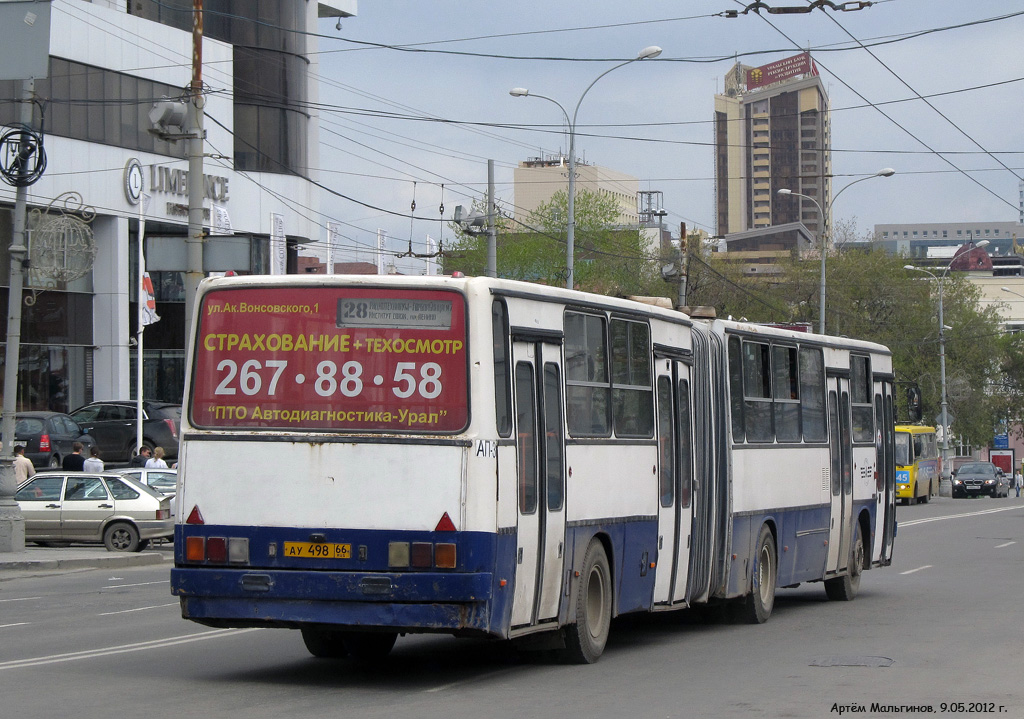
(318, 550)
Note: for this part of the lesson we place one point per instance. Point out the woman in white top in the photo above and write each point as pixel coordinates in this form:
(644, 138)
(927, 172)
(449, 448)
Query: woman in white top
(94, 463)
(157, 460)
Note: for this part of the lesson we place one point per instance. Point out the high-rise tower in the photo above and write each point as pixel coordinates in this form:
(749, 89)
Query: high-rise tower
(771, 132)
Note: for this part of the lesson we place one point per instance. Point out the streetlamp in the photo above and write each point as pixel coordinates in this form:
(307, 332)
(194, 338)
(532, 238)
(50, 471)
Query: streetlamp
(823, 242)
(570, 235)
(945, 489)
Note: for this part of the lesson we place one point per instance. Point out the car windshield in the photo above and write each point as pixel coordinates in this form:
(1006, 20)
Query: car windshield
(977, 468)
(169, 411)
(28, 425)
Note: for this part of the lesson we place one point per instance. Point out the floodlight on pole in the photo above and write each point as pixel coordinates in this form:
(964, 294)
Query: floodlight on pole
(823, 235)
(649, 52)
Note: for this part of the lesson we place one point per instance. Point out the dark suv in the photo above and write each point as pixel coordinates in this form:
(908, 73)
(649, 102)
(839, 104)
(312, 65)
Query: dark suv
(976, 478)
(113, 425)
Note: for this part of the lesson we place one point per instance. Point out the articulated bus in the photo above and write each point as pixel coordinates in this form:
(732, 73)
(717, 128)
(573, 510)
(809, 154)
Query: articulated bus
(917, 463)
(364, 457)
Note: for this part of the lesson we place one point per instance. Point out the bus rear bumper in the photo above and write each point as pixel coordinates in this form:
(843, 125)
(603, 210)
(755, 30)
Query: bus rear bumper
(421, 602)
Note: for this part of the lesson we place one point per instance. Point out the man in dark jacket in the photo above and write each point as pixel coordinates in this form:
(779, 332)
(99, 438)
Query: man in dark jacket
(74, 461)
(142, 457)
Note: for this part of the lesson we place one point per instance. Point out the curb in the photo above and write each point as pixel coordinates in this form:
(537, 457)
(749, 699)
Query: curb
(140, 559)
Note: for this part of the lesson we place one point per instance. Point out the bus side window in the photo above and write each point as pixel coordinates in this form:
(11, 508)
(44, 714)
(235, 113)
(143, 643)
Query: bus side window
(812, 394)
(757, 392)
(918, 446)
(502, 385)
(736, 388)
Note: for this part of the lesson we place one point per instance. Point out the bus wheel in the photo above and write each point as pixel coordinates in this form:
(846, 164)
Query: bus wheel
(585, 639)
(845, 588)
(324, 643)
(757, 605)
(370, 646)
(927, 494)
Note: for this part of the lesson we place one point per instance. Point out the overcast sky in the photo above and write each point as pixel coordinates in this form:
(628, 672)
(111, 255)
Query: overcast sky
(393, 116)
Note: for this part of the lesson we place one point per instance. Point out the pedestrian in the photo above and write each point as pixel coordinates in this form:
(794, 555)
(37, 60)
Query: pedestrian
(1018, 481)
(74, 461)
(94, 463)
(142, 457)
(23, 467)
(157, 460)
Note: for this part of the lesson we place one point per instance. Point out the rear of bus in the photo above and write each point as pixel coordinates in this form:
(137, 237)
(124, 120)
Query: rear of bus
(917, 463)
(323, 468)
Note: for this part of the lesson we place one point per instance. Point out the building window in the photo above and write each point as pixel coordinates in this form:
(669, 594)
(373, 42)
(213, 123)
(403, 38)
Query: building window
(96, 105)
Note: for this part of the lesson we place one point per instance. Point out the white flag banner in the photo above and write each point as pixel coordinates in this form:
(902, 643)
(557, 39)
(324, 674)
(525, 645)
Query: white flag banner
(278, 257)
(221, 224)
(333, 232)
(147, 302)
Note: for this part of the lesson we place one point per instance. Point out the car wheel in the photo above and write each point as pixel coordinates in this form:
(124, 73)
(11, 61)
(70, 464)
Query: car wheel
(758, 604)
(121, 537)
(54, 462)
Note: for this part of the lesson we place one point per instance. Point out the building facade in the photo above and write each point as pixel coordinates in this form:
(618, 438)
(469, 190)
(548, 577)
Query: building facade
(109, 63)
(938, 240)
(537, 179)
(772, 131)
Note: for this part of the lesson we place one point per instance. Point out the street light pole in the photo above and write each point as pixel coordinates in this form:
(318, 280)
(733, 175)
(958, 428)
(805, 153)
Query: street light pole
(945, 488)
(823, 235)
(570, 232)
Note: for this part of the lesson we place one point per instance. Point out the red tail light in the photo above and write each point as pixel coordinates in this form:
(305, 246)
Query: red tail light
(173, 427)
(44, 443)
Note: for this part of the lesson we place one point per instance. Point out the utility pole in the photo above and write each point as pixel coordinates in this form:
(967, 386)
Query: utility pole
(492, 238)
(197, 136)
(12, 523)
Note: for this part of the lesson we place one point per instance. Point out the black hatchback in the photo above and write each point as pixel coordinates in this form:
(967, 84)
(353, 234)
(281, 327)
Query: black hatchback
(48, 437)
(113, 424)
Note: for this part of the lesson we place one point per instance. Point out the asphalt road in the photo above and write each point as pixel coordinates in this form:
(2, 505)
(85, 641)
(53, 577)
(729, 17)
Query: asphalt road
(939, 627)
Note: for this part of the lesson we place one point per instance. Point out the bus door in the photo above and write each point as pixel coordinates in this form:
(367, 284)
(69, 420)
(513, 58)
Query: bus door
(885, 512)
(674, 472)
(540, 451)
(841, 455)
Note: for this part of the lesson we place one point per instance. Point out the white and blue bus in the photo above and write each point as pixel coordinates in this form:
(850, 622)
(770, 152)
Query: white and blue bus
(364, 457)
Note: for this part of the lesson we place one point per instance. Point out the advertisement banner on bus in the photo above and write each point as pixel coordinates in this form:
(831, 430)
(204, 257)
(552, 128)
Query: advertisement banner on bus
(331, 358)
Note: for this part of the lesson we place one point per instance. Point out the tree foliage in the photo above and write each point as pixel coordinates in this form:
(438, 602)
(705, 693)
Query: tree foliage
(607, 259)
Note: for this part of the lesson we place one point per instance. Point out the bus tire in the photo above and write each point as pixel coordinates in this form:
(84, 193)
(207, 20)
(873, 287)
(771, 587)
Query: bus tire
(586, 637)
(370, 646)
(324, 643)
(758, 604)
(845, 588)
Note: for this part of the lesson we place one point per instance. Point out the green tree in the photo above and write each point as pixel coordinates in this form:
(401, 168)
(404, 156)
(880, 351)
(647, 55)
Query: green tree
(608, 259)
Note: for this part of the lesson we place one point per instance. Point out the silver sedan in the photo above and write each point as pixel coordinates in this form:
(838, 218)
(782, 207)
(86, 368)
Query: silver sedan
(122, 513)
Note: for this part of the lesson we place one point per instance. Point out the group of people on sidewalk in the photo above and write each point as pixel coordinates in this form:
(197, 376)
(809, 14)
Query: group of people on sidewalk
(75, 462)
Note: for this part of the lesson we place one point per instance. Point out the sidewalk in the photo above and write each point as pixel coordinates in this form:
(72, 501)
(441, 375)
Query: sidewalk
(81, 556)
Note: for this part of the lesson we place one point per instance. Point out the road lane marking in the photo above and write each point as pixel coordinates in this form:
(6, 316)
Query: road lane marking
(16, 624)
(451, 685)
(138, 609)
(1004, 544)
(911, 571)
(140, 584)
(912, 522)
(20, 599)
(108, 651)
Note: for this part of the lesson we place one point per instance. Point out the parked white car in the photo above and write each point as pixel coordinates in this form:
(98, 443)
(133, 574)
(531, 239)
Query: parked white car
(120, 512)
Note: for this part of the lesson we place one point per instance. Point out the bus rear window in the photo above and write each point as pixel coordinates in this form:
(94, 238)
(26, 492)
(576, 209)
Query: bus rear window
(330, 358)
